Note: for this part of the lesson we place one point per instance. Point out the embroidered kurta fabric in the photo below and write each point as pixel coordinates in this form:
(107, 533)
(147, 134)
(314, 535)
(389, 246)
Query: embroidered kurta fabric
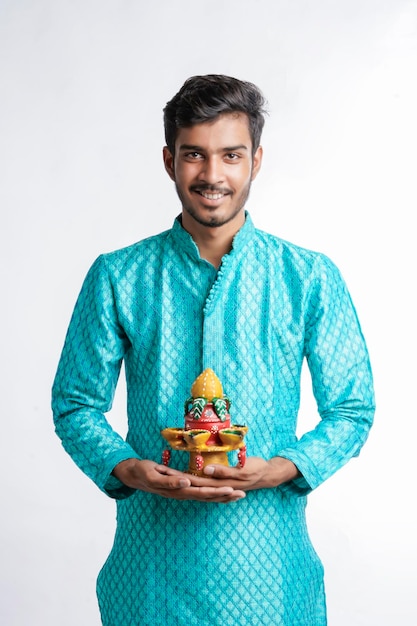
(169, 315)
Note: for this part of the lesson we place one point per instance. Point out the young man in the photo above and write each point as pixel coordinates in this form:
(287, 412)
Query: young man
(213, 292)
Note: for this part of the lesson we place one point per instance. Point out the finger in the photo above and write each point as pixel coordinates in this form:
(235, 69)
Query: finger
(213, 492)
(177, 483)
(167, 471)
(220, 471)
(216, 494)
(204, 494)
(159, 481)
(196, 481)
(176, 480)
(234, 496)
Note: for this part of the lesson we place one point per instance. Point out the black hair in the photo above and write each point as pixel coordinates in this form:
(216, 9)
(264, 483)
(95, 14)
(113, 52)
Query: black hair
(203, 98)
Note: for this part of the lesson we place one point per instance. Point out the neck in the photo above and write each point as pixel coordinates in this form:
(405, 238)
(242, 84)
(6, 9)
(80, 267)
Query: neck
(213, 242)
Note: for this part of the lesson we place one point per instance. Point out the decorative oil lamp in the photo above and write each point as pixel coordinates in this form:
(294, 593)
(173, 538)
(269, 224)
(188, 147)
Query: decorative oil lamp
(207, 435)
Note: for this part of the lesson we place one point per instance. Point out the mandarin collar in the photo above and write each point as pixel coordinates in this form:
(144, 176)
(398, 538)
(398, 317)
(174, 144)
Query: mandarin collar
(185, 243)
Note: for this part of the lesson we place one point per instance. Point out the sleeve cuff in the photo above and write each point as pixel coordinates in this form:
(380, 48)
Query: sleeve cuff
(309, 479)
(111, 485)
(114, 488)
(297, 487)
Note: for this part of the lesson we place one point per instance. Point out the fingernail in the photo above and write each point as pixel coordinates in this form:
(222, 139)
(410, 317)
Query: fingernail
(209, 470)
(184, 482)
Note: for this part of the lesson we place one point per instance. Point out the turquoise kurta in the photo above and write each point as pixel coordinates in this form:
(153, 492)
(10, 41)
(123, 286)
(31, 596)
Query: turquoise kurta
(170, 314)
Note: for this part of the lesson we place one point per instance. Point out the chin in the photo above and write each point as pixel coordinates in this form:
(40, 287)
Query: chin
(211, 218)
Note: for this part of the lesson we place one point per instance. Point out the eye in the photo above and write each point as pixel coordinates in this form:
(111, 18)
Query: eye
(193, 156)
(232, 156)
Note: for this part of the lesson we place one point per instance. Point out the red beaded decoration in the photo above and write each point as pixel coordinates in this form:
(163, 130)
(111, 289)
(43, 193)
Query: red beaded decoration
(241, 455)
(199, 462)
(166, 457)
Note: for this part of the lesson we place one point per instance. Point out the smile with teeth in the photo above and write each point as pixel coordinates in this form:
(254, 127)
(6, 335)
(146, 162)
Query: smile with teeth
(212, 194)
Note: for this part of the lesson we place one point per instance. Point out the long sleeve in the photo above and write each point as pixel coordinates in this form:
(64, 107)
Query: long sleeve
(85, 383)
(342, 381)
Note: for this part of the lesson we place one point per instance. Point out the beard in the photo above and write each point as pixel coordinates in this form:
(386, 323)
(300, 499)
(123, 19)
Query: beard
(212, 220)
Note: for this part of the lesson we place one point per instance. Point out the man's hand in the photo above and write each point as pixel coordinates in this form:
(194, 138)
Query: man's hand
(256, 474)
(219, 484)
(170, 483)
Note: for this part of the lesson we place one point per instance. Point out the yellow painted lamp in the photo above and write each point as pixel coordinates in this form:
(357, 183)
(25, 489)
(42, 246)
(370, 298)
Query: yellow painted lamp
(207, 434)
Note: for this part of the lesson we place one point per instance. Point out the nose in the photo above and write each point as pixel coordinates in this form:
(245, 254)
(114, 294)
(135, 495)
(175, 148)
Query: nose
(211, 171)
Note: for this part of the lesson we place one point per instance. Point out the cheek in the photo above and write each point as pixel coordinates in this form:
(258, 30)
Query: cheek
(183, 176)
(243, 179)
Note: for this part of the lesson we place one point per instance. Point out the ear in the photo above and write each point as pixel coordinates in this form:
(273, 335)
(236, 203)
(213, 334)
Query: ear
(169, 162)
(257, 162)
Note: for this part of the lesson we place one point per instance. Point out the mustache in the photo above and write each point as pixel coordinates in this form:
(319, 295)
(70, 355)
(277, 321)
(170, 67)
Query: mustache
(210, 189)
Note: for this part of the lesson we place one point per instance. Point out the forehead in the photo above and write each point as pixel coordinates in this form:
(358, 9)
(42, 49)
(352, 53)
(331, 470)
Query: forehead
(227, 130)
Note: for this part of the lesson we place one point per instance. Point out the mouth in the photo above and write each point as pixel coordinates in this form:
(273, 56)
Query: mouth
(211, 194)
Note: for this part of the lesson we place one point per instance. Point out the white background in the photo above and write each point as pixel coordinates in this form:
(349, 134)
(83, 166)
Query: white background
(82, 87)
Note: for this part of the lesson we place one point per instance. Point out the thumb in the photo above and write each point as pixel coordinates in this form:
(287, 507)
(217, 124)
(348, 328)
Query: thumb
(219, 471)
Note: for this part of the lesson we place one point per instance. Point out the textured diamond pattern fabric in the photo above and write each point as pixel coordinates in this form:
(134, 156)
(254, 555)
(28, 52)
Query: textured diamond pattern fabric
(169, 314)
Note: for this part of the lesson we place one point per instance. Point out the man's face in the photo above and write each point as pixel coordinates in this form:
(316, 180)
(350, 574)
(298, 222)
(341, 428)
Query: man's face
(213, 168)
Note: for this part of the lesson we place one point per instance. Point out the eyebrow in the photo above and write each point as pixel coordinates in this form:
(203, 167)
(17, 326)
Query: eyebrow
(186, 146)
